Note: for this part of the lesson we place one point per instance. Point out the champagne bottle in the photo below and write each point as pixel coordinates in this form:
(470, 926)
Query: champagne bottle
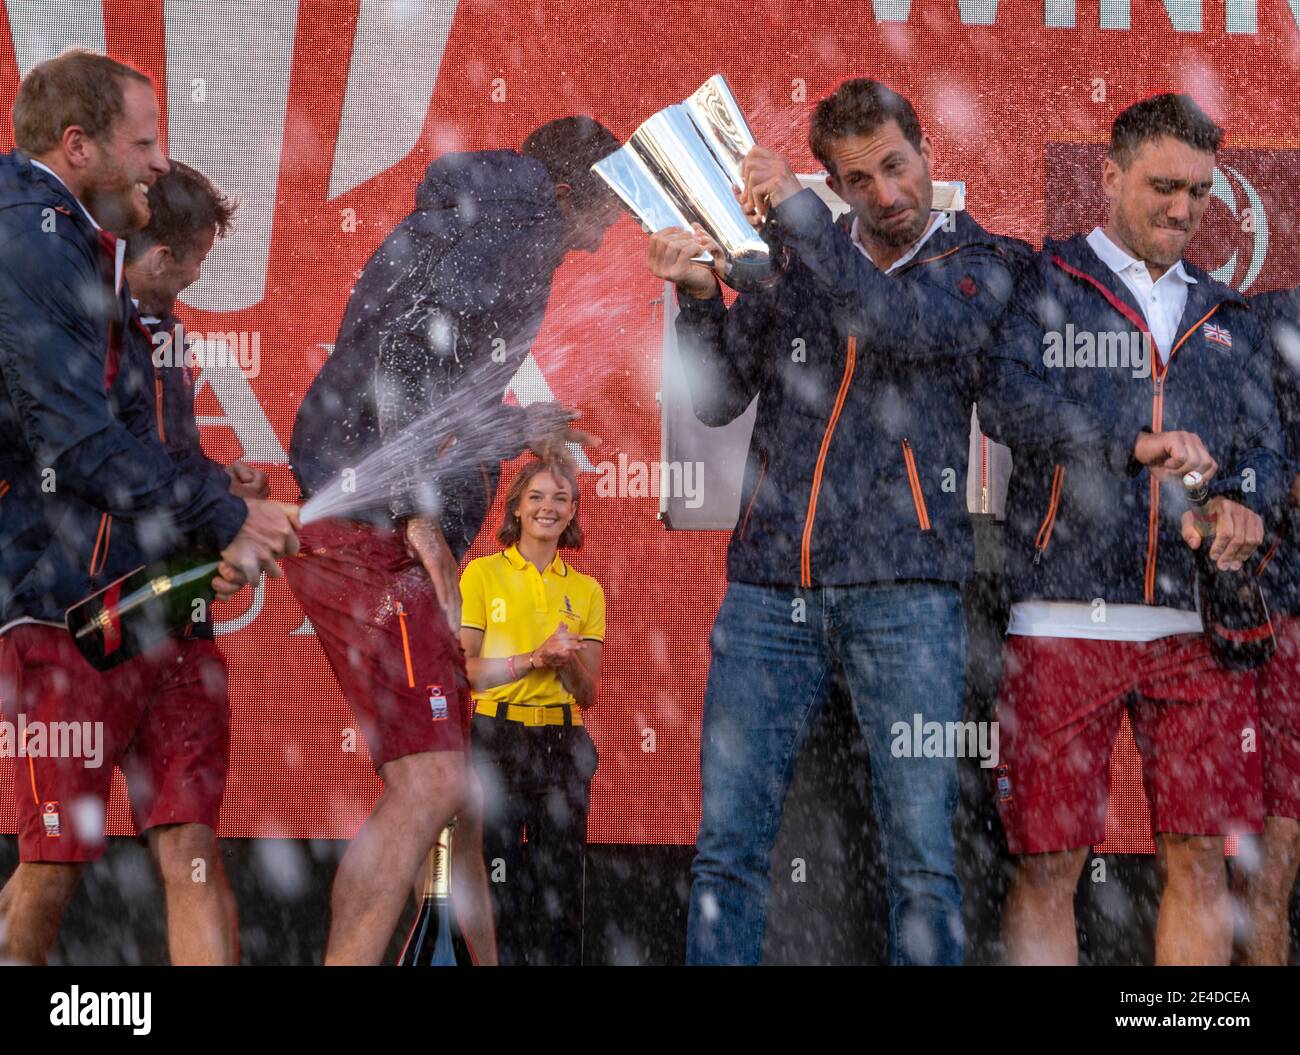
(141, 609)
(435, 939)
(1233, 609)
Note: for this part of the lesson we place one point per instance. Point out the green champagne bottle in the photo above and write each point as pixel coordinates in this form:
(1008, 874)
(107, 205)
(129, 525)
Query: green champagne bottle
(1234, 611)
(141, 609)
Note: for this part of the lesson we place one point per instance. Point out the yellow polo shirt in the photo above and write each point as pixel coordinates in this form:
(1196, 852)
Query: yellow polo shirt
(517, 608)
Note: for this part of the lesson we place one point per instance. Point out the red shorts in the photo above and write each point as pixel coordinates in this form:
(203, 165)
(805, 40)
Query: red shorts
(1059, 710)
(164, 717)
(1278, 695)
(385, 636)
(176, 766)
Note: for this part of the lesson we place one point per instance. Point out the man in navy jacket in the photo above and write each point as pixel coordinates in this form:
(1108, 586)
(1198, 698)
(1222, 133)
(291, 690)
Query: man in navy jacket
(178, 779)
(1121, 368)
(441, 318)
(853, 535)
(77, 453)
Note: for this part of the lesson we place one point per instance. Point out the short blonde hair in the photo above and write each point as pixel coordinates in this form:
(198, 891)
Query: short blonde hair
(76, 87)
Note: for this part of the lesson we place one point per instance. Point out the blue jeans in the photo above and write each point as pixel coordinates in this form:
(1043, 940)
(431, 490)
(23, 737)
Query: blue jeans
(903, 650)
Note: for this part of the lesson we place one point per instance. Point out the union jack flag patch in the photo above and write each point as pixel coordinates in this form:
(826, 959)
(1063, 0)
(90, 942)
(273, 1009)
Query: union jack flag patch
(1218, 334)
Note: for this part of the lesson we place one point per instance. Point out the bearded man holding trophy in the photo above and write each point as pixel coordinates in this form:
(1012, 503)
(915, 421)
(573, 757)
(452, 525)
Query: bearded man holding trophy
(862, 342)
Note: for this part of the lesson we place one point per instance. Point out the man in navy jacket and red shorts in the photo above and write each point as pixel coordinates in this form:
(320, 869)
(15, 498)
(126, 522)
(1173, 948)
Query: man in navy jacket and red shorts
(79, 453)
(1120, 369)
(441, 318)
(1265, 872)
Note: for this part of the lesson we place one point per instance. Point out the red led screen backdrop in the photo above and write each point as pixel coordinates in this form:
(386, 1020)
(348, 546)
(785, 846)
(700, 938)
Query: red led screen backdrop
(321, 118)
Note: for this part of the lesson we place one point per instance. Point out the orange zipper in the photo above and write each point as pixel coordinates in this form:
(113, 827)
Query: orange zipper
(914, 482)
(805, 553)
(406, 646)
(1049, 521)
(1272, 550)
(105, 533)
(984, 474)
(158, 402)
(929, 259)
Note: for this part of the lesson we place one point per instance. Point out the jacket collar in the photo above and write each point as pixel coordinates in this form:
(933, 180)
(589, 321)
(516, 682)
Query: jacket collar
(519, 562)
(965, 231)
(1202, 295)
(44, 171)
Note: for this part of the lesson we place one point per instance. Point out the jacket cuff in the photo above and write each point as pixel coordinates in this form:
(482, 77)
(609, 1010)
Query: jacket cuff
(228, 516)
(800, 214)
(1229, 487)
(693, 308)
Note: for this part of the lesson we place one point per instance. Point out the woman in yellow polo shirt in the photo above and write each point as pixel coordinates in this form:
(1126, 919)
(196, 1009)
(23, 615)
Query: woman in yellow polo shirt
(532, 627)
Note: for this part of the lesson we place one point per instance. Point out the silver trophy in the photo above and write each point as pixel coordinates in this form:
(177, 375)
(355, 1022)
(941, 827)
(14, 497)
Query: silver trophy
(679, 167)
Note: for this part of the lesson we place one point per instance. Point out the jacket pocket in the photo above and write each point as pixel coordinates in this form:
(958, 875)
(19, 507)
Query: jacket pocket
(1049, 521)
(914, 482)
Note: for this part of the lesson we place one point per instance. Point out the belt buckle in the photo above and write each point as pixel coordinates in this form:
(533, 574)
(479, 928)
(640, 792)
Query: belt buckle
(539, 715)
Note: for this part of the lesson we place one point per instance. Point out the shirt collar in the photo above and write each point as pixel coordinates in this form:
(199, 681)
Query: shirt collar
(148, 320)
(59, 179)
(519, 562)
(936, 221)
(1119, 261)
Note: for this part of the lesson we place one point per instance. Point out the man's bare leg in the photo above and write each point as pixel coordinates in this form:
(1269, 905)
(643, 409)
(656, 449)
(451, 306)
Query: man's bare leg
(31, 909)
(198, 910)
(1195, 922)
(1038, 926)
(1263, 881)
(421, 794)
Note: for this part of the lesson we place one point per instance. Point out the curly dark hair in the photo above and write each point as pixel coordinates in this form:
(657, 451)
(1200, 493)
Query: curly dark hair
(182, 206)
(857, 107)
(1172, 115)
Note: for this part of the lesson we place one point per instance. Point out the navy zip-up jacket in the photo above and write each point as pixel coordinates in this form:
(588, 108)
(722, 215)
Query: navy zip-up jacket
(857, 467)
(1084, 518)
(1279, 568)
(173, 388)
(443, 315)
(77, 446)
(156, 365)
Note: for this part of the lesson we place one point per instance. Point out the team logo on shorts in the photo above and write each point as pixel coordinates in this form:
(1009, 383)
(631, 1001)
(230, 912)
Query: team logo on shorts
(437, 703)
(1004, 783)
(50, 820)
